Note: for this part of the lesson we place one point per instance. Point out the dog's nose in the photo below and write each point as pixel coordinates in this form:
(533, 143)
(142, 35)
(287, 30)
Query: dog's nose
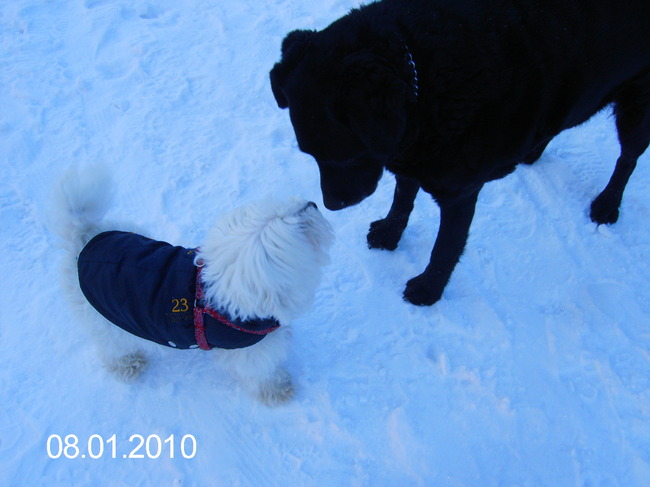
(309, 205)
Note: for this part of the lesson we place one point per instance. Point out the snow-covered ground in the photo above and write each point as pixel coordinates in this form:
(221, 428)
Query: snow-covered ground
(533, 370)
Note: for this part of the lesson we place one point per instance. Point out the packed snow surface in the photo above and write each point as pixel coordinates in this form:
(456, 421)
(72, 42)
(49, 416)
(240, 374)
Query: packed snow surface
(533, 369)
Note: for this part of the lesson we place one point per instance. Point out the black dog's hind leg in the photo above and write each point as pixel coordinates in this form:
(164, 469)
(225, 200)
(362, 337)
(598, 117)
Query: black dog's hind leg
(632, 110)
(455, 218)
(536, 153)
(385, 234)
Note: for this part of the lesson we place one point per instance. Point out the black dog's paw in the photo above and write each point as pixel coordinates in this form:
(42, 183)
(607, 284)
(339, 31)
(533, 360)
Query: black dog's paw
(421, 291)
(384, 234)
(604, 210)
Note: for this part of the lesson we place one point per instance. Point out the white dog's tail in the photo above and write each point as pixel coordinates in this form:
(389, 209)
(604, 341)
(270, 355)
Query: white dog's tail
(81, 200)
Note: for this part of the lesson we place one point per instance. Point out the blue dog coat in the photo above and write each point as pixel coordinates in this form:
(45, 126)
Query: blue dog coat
(148, 288)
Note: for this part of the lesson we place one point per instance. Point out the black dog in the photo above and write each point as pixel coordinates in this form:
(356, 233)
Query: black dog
(451, 94)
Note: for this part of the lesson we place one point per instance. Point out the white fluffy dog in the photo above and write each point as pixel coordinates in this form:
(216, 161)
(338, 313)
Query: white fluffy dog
(259, 268)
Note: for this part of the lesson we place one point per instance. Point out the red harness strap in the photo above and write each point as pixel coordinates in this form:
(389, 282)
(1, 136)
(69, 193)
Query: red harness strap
(199, 325)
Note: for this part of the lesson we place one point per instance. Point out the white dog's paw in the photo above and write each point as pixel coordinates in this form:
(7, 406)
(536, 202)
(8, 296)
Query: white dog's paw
(278, 390)
(129, 367)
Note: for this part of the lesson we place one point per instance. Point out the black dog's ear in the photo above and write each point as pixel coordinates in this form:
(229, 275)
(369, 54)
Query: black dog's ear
(372, 100)
(293, 49)
(277, 81)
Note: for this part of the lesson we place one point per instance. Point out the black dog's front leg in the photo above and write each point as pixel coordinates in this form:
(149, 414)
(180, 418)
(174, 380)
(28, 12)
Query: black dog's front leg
(385, 234)
(455, 218)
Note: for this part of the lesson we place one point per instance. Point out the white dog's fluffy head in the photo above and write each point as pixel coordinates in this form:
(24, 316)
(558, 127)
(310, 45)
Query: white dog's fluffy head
(265, 259)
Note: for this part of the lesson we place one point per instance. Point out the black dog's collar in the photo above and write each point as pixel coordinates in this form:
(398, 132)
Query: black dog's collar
(415, 82)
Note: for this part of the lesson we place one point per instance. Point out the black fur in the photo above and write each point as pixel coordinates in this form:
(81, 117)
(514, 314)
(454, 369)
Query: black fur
(451, 94)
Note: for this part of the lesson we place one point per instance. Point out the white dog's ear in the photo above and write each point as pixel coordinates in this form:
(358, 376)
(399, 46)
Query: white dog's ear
(295, 247)
(260, 260)
(372, 100)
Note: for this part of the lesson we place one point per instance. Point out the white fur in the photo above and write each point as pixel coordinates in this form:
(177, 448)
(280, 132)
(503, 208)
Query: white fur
(265, 259)
(261, 260)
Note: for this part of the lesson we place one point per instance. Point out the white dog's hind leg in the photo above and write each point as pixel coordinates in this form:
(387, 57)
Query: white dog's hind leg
(79, 204)
(128, 367)
(120, 352)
